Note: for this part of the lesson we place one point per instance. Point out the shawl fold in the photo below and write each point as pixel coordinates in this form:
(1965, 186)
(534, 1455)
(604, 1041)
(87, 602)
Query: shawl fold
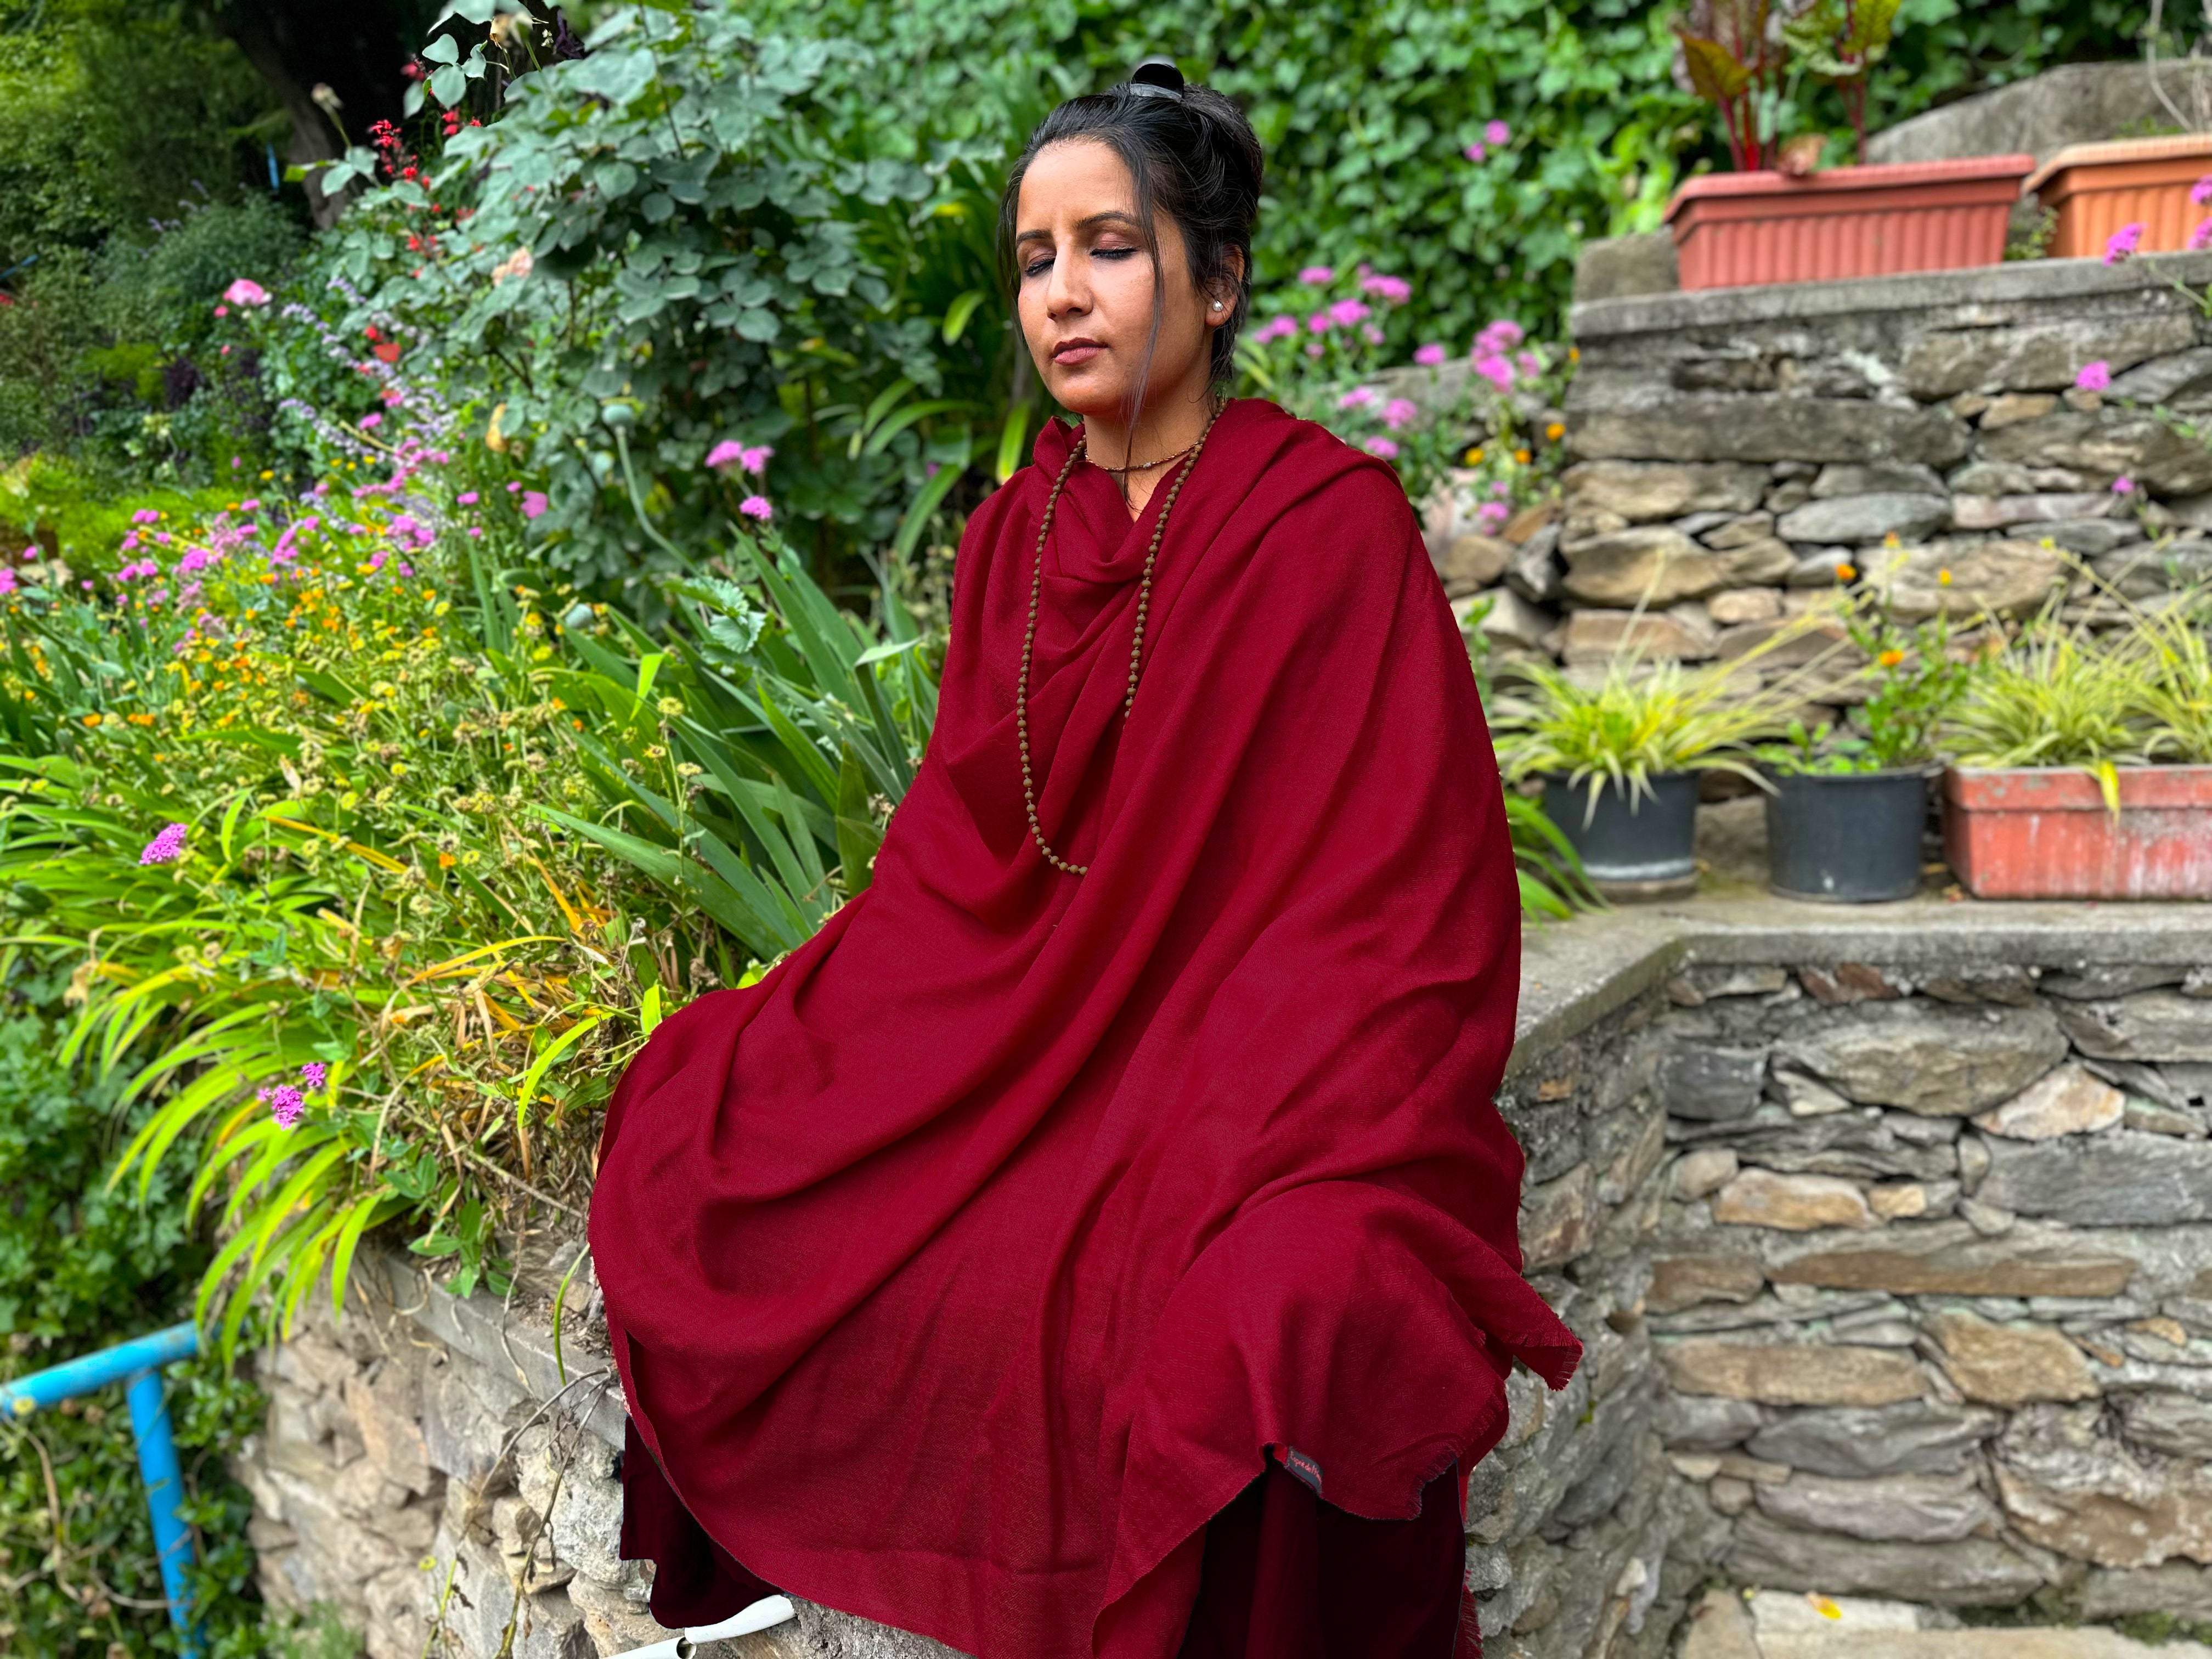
(961, 1269)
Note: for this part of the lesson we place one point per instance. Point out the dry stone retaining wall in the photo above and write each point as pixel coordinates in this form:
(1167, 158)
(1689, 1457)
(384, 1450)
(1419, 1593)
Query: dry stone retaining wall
(1734, 446)
(1891, 1250)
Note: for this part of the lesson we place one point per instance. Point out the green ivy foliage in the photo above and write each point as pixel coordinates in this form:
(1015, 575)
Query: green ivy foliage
(675, 242)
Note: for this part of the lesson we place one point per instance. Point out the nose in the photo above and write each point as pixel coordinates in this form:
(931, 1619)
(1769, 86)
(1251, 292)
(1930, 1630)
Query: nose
(1066, 294)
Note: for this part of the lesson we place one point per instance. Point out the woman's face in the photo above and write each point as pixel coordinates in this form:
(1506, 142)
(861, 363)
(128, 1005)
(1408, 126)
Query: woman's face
(1085, 293)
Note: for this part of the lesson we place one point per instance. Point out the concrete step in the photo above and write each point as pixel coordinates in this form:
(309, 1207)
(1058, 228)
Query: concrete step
(1790, 1624)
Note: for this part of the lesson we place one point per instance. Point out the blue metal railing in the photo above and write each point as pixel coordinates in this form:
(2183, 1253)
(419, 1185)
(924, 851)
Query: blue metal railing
(137, 1364)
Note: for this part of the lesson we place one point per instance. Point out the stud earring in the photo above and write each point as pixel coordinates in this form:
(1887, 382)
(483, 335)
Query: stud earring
(1217, 305)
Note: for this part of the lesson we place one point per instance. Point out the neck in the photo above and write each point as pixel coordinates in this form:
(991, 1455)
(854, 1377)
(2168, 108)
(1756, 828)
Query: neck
(1167, 423)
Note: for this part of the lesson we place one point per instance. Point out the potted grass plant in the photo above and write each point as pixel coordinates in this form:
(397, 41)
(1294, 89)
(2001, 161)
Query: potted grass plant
(1847, 805)
(2083, 762)
(1619, 760)
(1779, 218)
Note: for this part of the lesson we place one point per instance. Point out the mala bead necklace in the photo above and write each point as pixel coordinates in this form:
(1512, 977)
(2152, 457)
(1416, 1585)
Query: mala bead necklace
(1136, 642)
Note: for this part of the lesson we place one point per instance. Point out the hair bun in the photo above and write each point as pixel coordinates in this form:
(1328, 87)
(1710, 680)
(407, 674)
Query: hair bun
(1156, 77)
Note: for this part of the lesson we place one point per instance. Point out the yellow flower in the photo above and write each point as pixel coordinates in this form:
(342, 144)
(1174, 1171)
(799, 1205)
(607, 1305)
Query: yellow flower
(1890, 659)
(1943, 577)
(1472, 457)
(1556, 431)
(1845, 573)
(266, 477)
(1573, 354)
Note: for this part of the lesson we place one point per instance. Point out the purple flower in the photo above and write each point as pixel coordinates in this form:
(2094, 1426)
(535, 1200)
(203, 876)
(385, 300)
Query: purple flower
(1314, 276)
(166, 847)
(2123, 485)
(757, 507)
(1394, 289)
(1497, 131)
(1495, 370)
(1398, 412)
(467, 498)
(313, 1073)
(285, 1103)
(1429, 356)
(2122, 242)
(1475, 152)
(1382, 447)
(725, 454)
(1359, 398)
(2095, 376)
(1348, 311)
(534, 503)
(2200, 191)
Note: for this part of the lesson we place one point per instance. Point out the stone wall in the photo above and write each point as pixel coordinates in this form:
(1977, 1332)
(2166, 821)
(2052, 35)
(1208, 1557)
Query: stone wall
(1889, 1239)
(1734, 447)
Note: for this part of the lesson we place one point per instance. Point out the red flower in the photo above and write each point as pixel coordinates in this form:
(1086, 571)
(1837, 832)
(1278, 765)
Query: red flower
(389, 351)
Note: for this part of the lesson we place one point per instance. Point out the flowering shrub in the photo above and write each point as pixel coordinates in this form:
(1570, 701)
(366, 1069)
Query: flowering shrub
(1502, 393)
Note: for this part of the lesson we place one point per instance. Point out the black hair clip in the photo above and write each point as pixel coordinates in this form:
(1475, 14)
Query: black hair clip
(1156, 77)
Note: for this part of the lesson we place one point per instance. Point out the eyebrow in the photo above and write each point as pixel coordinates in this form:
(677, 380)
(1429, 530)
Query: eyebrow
(1112, 216)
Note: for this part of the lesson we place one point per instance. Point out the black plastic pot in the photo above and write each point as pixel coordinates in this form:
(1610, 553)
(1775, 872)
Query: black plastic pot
(1846, 838)
(1632, 846)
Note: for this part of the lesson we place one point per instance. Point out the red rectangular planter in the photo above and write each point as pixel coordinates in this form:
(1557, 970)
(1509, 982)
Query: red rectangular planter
(2095, 189)
(2032, 832)
(1733, 229)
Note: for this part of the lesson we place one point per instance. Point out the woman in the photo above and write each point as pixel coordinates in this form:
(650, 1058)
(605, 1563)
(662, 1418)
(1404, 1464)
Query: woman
(1099, 1239)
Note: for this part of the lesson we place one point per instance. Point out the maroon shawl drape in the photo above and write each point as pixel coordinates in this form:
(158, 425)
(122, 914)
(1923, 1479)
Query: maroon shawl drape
(961, 1268)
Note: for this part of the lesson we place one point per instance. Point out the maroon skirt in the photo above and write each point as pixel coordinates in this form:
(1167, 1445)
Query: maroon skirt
(1286, 1574)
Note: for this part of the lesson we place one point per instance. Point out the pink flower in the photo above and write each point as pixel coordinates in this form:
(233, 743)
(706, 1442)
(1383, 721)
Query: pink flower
(285, 1103)
(1429, 356)
(754, 459)
(222, 311)
(1394, 289)
(247, 292)
(251, 504)
(1492, 515)
(1371, 334)
(512, 487)
(2095, 376)
(1349, 311)
(371, 420)
(1398, 412)
(757, 507)
(166, 847)
(2201, 238)
(1320, 322)
(1495, 370)
(2123, 485)
(534, 503)
(1359, 398)
(2122, 243)
(1497, 131)
(1276, 328)
(1382, 447)
(236, 462)
(313, 1073)
(2200, 191)
(7, 580)
(146, 516)
(725, 454)
(1314, 349)
(467, 498)
(1500, 336)
(1314, 276)
(476, 530)
(1528, 361)
(1475, 152)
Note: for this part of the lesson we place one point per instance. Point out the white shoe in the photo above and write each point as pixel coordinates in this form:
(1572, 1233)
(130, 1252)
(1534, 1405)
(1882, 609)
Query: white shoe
(764, 1615)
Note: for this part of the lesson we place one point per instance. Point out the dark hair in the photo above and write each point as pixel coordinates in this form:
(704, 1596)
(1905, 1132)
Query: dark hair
(1192, 155)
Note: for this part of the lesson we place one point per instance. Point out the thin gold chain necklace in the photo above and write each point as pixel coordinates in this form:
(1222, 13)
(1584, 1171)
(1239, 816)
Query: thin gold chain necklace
(1136, 642)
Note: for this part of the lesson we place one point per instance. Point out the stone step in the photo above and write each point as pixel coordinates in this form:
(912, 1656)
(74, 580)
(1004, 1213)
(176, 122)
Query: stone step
(1789, 1625)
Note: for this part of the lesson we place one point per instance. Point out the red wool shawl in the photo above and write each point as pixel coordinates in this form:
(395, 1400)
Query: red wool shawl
(960, 1270)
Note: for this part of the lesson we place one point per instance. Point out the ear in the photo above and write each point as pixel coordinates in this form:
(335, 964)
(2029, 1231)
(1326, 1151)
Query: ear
(1221, 297)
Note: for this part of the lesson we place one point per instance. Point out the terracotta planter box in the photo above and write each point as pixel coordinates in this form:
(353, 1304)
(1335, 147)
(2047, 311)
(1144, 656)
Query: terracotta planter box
(1732, 229)
(2032, 832)
(2097, 188)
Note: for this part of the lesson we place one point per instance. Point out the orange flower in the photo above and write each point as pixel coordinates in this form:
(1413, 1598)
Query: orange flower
(1556, 431)
(92, 720)
(1521, 456)
(1890, 659)
(1845, 573)
(444, 860)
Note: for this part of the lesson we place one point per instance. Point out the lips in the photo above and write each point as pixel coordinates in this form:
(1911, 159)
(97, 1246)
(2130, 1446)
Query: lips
(1070, 353)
